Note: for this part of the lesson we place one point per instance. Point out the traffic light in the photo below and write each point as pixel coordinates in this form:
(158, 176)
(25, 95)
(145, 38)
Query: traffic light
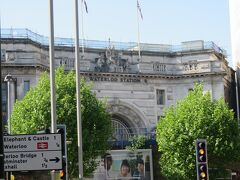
(202, 171)
(62, 174)
(61, 129)
(201, 151)
(201, 159)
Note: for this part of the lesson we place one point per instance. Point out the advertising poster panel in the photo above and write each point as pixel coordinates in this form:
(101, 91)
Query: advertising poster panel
(125, 164)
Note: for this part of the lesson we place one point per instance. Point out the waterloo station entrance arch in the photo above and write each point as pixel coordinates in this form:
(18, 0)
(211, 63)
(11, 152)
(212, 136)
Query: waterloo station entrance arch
(127, 120)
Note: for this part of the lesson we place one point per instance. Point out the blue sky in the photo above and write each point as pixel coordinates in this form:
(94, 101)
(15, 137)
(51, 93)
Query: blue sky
(164, 21)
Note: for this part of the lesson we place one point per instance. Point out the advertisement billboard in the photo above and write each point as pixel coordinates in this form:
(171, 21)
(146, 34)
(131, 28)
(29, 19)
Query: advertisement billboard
(125, 164)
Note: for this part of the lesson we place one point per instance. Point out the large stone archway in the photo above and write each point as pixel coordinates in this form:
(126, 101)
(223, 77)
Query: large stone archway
(129, 115)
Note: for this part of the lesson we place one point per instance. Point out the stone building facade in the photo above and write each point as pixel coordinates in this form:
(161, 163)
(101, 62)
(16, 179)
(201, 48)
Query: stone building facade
(138, 89)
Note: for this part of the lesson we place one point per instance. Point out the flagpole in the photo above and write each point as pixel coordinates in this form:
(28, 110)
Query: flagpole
(79, 122)
(139, 48)
(83, 39)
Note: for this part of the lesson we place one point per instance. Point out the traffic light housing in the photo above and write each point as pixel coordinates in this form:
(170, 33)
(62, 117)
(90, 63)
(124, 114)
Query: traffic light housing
(201, 159)
(62, 132)
(202, 171)
(62, 174)
(61, 129)
(201, 151)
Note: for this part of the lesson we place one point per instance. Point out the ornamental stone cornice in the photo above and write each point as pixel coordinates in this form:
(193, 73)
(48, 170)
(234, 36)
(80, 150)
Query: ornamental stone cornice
(23, 69)
(95, 76)
(25, 65)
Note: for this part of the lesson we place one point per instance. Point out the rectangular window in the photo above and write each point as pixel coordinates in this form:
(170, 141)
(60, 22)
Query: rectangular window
(3, 55)
(160, 97)
(26, 86)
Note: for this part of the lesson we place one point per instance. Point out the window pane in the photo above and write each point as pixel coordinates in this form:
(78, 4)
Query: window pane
(160, 96)
(120, 130)
(26, 86)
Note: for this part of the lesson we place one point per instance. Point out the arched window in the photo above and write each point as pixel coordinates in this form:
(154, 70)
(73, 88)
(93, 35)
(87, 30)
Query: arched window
(120, 130)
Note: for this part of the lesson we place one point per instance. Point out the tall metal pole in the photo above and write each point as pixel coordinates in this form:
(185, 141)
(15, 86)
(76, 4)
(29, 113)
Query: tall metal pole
(79, 123)
(8, 78)
(237, 93)
(1, 121)
(83, 39)
(139, 48)
(52, 75)
(52, 70)
(9, 105)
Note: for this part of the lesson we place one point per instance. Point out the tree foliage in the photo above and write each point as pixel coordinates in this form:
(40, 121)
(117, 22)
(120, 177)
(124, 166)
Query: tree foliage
(196, 117)
(136, 142)
(33, 114)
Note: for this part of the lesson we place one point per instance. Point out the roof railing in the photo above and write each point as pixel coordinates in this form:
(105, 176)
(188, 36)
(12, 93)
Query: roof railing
(96, 44)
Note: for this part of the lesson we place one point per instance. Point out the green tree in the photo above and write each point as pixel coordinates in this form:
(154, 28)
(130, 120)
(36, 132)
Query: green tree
(33, 114)
(196, 116)
(137, 142)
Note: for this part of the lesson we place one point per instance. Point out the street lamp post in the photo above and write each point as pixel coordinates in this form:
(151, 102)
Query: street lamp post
(8, 78)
